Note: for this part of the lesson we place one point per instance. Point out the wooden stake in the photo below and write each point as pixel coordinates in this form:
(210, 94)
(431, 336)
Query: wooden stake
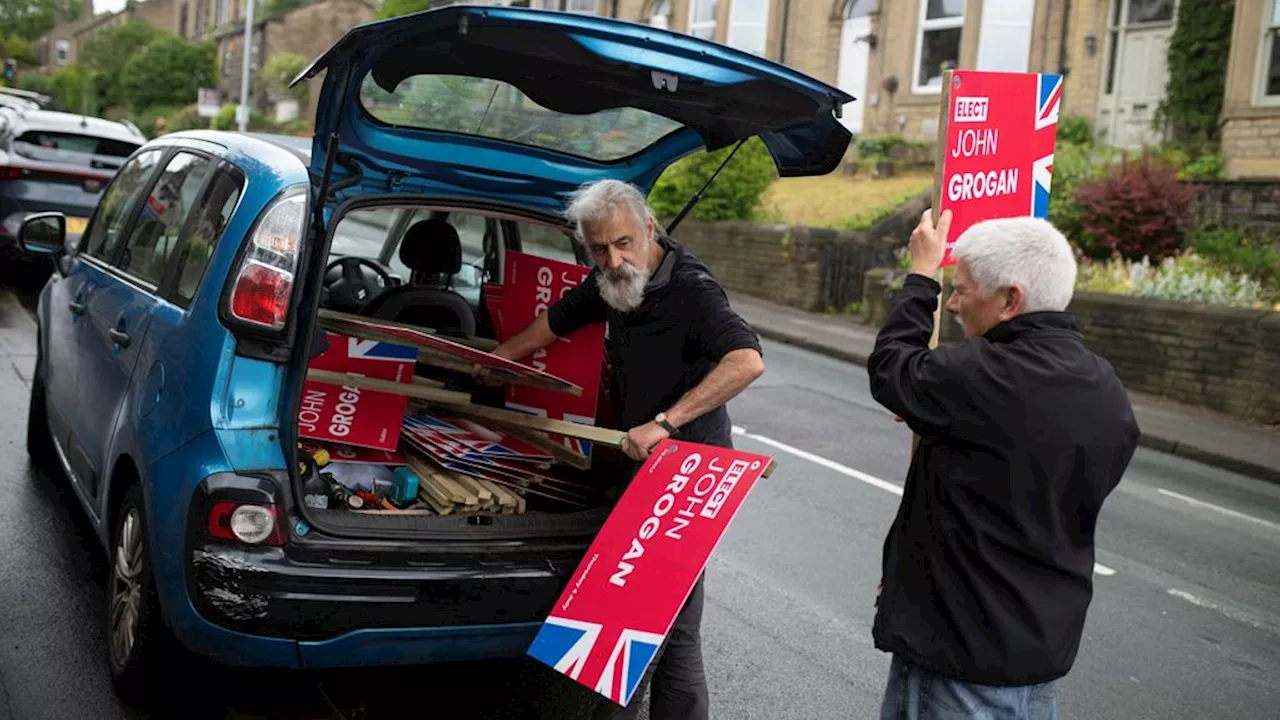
(341, 322)
(539, 440)
(939, 165)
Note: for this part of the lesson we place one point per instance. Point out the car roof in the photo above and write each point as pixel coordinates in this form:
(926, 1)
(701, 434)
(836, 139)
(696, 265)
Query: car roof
(54, 121)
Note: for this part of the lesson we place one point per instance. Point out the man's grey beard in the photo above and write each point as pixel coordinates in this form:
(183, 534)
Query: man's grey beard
(623, 289)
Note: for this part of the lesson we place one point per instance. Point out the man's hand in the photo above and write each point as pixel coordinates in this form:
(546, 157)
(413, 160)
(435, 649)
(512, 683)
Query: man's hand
(641, 439)
(929, 243)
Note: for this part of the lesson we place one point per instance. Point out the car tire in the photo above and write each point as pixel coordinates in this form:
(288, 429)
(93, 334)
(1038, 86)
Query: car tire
(40, 449)
(140, 648)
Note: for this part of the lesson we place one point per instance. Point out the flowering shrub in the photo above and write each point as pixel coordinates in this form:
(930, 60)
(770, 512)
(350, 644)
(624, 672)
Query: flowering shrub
(1183, 278)
(1138, 210)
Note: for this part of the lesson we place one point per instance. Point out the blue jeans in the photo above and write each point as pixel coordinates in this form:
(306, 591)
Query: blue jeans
(914, 693)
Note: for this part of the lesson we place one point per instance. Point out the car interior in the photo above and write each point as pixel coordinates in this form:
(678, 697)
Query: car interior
(426, 266)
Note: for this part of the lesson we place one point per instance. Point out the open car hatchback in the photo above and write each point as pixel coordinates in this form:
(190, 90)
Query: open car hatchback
(197, 346)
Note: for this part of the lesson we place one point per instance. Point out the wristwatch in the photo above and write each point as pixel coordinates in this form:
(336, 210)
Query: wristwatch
(661, 420)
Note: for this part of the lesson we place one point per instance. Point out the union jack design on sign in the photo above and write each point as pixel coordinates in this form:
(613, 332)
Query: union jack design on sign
(618, 606)
(998, 160)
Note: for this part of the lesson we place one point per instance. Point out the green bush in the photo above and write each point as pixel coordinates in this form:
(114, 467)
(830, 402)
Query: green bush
(226, 119)
(1241, 252)
(168, 71)
(281, 69)
(1182, 278)
(1075, 130)
(1072, 165)
(1209, 166)
(76, 88)
(735, 194)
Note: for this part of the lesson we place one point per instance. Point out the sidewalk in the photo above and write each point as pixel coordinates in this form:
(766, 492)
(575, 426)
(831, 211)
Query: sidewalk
(1195, 433)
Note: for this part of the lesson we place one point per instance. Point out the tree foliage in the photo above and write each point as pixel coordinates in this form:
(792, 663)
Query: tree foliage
(396, 8)
(1197, 60)
(109, 52)
(27, 18)
(76, 90)
(281, 69)
(17, 47)
(168, 71)
(735, 194)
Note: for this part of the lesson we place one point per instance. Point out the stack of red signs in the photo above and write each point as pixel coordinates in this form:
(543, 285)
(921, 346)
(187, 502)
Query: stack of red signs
(350, 415)
(624, 596)
(530, 285)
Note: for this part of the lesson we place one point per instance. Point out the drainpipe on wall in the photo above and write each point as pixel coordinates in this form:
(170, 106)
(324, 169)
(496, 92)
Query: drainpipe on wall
(613, 9)
(782, 42)
(1062, 42)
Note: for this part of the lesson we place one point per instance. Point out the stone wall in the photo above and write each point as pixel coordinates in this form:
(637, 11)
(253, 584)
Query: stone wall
(1251, 143)
(1221, 358)
(1248, 205)
(807, 268)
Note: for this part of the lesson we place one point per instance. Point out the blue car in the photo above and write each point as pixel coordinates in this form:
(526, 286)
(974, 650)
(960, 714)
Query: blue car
(174, 337)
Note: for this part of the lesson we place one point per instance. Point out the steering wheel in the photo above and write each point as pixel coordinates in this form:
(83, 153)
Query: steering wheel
(353, 290)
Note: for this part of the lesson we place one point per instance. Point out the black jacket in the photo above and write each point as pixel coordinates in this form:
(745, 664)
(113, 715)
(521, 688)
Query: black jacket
(988, 566)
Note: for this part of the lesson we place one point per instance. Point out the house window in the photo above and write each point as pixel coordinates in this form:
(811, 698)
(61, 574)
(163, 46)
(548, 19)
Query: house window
(63, 50)
(747, 22)
(182, 23)
(1150, 11)
(582, 7)
(219, 12)
(702, 19)
(1269, 72)
(937, 43)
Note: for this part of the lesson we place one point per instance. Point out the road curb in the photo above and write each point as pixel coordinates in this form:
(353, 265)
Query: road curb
(1147, 440)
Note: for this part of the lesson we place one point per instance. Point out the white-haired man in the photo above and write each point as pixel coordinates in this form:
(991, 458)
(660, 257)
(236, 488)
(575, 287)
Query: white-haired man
(677, 354)
(988, 565)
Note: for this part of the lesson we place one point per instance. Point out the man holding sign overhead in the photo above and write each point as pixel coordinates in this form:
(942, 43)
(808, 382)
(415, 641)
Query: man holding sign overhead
(988, 566)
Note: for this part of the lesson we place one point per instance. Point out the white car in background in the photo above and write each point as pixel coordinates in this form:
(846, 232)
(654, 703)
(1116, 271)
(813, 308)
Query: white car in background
(56, 162)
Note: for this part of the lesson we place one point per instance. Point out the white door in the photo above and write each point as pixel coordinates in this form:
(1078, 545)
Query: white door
(855, 52)
(1136, 71)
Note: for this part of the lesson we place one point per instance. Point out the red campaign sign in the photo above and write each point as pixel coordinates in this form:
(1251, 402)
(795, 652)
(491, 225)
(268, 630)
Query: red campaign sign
(621, 601)
(531, 284)
(1001, 130)
(350, 415)
(339, 454)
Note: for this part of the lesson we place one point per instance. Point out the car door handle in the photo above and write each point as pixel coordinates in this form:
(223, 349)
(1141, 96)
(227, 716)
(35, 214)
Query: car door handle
(76, 307)
(119, 337)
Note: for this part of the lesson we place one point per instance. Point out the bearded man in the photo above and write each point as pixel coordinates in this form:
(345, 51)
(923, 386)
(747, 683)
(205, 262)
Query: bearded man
(677, 353)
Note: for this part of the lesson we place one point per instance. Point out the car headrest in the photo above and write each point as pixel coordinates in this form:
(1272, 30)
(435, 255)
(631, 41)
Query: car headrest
(432, 246)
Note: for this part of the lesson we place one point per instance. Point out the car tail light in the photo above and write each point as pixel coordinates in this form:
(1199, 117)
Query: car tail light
(263, 284)
(247, 523)
(10, 173)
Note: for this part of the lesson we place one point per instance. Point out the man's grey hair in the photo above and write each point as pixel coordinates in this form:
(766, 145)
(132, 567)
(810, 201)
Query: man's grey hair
(1024, 251)
(598, 200)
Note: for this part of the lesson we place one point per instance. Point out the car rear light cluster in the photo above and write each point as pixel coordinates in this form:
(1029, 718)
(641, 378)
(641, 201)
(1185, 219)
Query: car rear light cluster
(248, 523)
(10, 173)
(264, 282)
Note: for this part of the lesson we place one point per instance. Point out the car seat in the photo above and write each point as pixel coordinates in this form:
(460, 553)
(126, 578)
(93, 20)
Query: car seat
(432, 251)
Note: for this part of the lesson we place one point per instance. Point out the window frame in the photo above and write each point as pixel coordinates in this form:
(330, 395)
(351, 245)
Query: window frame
(1270, 33)
(694, 25)
(764, 25)
(924, 25)
(173, 276)
(82, 249)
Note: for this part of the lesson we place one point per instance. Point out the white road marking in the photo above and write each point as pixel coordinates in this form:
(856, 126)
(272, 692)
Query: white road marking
(1228, 612)
(871, 480)
(1224, 511)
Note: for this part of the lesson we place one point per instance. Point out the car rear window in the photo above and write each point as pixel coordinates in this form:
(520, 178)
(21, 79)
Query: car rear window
(494, 109)
(73, 148)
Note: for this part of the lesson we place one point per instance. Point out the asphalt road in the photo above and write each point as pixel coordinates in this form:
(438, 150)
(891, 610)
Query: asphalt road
(1185, 622)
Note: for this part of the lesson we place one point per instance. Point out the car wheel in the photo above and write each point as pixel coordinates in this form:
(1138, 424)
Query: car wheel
(39, 442)
(139, 645)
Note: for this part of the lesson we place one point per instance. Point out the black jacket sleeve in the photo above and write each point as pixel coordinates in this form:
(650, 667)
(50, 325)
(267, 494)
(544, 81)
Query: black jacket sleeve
(920, 385)
(577, 308)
